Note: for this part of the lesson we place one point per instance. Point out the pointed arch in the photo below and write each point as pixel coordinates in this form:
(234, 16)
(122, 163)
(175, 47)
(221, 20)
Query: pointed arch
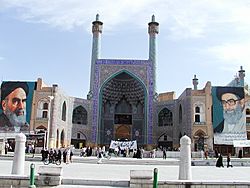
(41, 127)
(120, 103)
(165, 117)
(64, 108)
(180, 114)
(200, 133)
(82, 135)
(165, 141)
(62, 137)
(80, 116)
(199, 141)
(123, 132)
(57, 138)
(80, 140)
(123, 71)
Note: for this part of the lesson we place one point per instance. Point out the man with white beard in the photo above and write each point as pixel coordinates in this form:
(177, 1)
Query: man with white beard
(232, 113)
(233, 127)
(13, 101)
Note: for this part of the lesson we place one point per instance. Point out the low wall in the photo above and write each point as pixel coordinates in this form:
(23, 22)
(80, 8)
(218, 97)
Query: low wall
(235, 162)
(144, 179)
(92, 183)
(14, 181)
(140, 178)
(48, 176)
(203, 184)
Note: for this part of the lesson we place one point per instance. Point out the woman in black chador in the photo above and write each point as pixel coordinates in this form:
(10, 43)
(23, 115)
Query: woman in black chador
(219, 162)
(240, 154)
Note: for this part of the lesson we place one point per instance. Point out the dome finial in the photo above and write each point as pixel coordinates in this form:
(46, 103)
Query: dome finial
(153, 18)
(97, 17)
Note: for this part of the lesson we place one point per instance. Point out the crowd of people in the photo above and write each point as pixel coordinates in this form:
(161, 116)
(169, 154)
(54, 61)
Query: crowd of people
(219, 162)
(54, 155)
(117, 152)
(65, 154)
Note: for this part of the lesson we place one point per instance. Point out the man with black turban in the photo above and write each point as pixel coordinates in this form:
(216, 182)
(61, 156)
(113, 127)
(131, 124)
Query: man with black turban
(13, 103)
(233, 126)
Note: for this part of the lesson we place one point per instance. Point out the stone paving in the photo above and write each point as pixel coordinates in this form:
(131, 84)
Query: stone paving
(121, 172)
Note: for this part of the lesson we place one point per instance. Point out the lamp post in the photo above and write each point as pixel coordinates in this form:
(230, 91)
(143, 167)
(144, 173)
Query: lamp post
(49, 121)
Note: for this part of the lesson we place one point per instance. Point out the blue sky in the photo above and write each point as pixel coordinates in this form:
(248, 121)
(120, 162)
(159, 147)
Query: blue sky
(53, 40)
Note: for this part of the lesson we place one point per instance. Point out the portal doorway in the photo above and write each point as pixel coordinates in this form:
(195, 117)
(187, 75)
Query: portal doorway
(123, 132)
(122, 102)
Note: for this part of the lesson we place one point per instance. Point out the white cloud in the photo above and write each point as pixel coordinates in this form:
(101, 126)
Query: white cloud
(183, 19)
(232, 55)
(69, 14)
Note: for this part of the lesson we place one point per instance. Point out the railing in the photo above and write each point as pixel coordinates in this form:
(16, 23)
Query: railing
(199, 123)
(42, 119)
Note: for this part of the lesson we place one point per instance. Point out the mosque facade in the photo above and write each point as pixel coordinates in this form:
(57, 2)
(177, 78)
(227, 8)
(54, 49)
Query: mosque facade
(123, 104)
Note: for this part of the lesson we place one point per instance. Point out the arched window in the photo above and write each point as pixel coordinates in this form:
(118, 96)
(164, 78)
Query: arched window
(45, 106)
(199, 113)
(248, 117)
(197, 109)
(247, 111)
(165, 117)
(64, 111)
(80, 116)
(45, 114)
(197, 118)
(43, 109)
(180, 114)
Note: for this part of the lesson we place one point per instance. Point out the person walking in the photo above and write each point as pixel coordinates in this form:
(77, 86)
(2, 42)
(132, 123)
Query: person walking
(68, 151)
(64, 155)
(71, 156)
(240, 154)
(59, 155)
(229, 163)
(100, 155)
(6, 148)
(164, 153)
(33, 150)
(219, 162)
(206, 154)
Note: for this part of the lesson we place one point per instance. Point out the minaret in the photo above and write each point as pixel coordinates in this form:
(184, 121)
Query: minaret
(153, 30)
(195, 82)
(96, 30)
(241, 76)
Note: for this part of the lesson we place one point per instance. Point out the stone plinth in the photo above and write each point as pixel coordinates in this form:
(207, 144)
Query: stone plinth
(50, 175)
(141, 178)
